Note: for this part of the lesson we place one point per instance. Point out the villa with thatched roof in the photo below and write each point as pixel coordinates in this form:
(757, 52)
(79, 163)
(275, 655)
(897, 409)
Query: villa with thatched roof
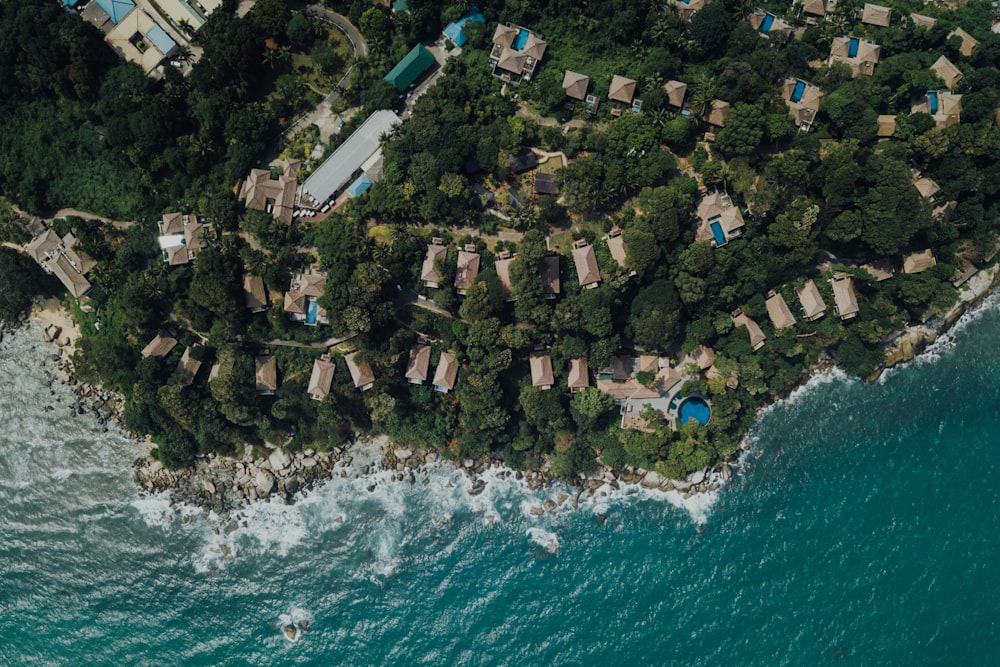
(777, 310)
(622, 89)
(944, 107)
(969, 43)
(886, 126)
(516, 53)
(803, 100)
(813, 7)
(188, 363)
(704, 356)
(585, 260)
(302, 298)
(685, 8)
(717, 113)
(266, 374)
(321, 378)
(468, 268)
(275, 195)
(675, 91)
(616, 245)
(160, 346)
(927, 187)
(548, 273)
(446, 372)
(768, 24)
(844, 297)
(945, 69)
(576, 85)
(254, 294)
(578, 377)
(718, 220)
(436, 252)
(541, 370)
(813, 306)
(919, 261)
(757, 337)
(921, 21)
(861, 55)
(361, 372)
(502, 267)
(419, 364)
(877, 15)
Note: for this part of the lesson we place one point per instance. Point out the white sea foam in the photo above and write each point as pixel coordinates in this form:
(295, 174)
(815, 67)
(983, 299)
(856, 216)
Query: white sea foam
(298, 620)
(546, 540)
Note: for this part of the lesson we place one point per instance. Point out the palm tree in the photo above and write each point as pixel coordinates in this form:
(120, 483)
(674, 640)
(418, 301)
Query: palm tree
(702, 94)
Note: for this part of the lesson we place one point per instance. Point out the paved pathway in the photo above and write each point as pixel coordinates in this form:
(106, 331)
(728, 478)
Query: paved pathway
(66, 212)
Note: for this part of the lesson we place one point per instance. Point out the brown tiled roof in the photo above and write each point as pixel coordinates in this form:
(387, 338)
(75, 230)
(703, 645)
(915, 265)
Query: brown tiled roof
(575, 85)
(621, 89)
(586, 265)
(446, 372)
(969, 43)
(361, 372)
(876, 15)
(718, 112)
(927, 187)
(321, 378)
(172, 223)
(616, 245)
(922, 21)
(704, 356)
(267, 374)
(428, 272)
(502, 267)
(886, 125)
(419, 364)
(541, 369)
(919, 261)
(254, 293)
(812, 303)
(814, 7)
(945, 69)
(578, 377)
(844, 297)
(189, 363)
(467, 270)
(675, 91)
(160, 346)
(777, 310)
(757, 337)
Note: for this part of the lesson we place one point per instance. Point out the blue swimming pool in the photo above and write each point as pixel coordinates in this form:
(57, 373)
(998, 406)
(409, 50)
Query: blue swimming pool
(311, 312)
(765, 25)
(852, 48)
(933, 99)
(522, 39)
(696, 408)
(720, 236)
(800, 87)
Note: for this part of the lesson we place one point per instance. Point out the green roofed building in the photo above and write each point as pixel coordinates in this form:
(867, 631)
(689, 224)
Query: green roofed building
(410, 68)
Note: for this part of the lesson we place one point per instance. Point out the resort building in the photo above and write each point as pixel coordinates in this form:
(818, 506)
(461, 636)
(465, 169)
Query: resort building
(576, 85)
(133, 33)
(757, 337)
(945, 69)
(861, 55)
(718, 220)
(446, 372)
(886, 126)
(685, 8)
(516, 53)
(844, 297)
(160, 346)
(718, 112)
(768, 25)
(419, 364)
(579, 376)
(521, 161)
(919, 261)
(969, 43)
(921, 21)
(813, 7)
(181, 237)
(413, 65)
(676, 91)
(813, 306)
(944, 106)
(254, 294)
(502, 267)
(541, 370)
(467, 270)
(436, 252)
(703, 356)
(358, 153)
(548, 272)
(879, 269)
(302, 298)
(273, 192)
(454, 31)
(616, 246)
(777, 310)
(267, 373)
(60, 257)
(321, 378)
(188, 364)
(545, 184)
(622, 90)
(803, 102)
(585, 260)
(361, 372)
(876, 15)
(927, 187)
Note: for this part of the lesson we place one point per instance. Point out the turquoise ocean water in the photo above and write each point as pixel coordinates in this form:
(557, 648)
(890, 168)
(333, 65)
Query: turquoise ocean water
(864, 531)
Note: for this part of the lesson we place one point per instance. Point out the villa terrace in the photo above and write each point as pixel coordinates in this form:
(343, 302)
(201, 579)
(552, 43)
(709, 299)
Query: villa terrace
(718, 220)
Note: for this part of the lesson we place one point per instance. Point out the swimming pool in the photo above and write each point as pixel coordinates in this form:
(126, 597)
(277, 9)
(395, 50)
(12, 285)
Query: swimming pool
(852, 48)
(522, 39)
(932, 98)
(720, 236)
(800, 87)
(311, 312)
(696, 408)
(765, 25)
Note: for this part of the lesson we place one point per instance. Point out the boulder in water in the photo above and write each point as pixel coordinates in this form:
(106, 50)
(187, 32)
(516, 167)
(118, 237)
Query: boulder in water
(279, 459)
(264, 482)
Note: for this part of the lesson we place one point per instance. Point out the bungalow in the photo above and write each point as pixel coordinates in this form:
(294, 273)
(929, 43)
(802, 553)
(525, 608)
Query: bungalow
(616, 245)
(621, 90)
(675, 91)
(548, 273)
(410, 68)
(523, 160)
(844, 297)
(703, 356)
(876, 15)
(803, 100)
(969, 43)
(579, 376)
(685, 8)
(516, 53)
(777, 310)
(436, 252)
(361, 372)
(757, 336)
(483, 198)
(136, 36)
(321, 378)
(921, 21)
(541, 370)
(586, 264)
(718, 220)
(302, 298)
(944, 106)
(188, 363)
(420, 361)
(545, 184)
(886, 126)
(919, 261)
(718, 112)
(273, 193)
(879, 269)
(767, 24)
(160, 346)
(267, 373)
(468, 268)
(945, 69)
(502, 266)
(446, 372)
(254, 294)
(861, 55)
(576, 85)
(814, 7)
(181, 237)
(927, 187)
(812, 303)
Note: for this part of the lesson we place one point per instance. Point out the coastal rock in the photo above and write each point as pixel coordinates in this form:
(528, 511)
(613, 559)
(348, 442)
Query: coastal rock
(402, 454)
(697, 477)
(264, 483)
(292, 487)
(431, 457)
(468, 463)
(726, 470)
(279, 459)
(308, 462)
(209, 486)
(652, 480)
